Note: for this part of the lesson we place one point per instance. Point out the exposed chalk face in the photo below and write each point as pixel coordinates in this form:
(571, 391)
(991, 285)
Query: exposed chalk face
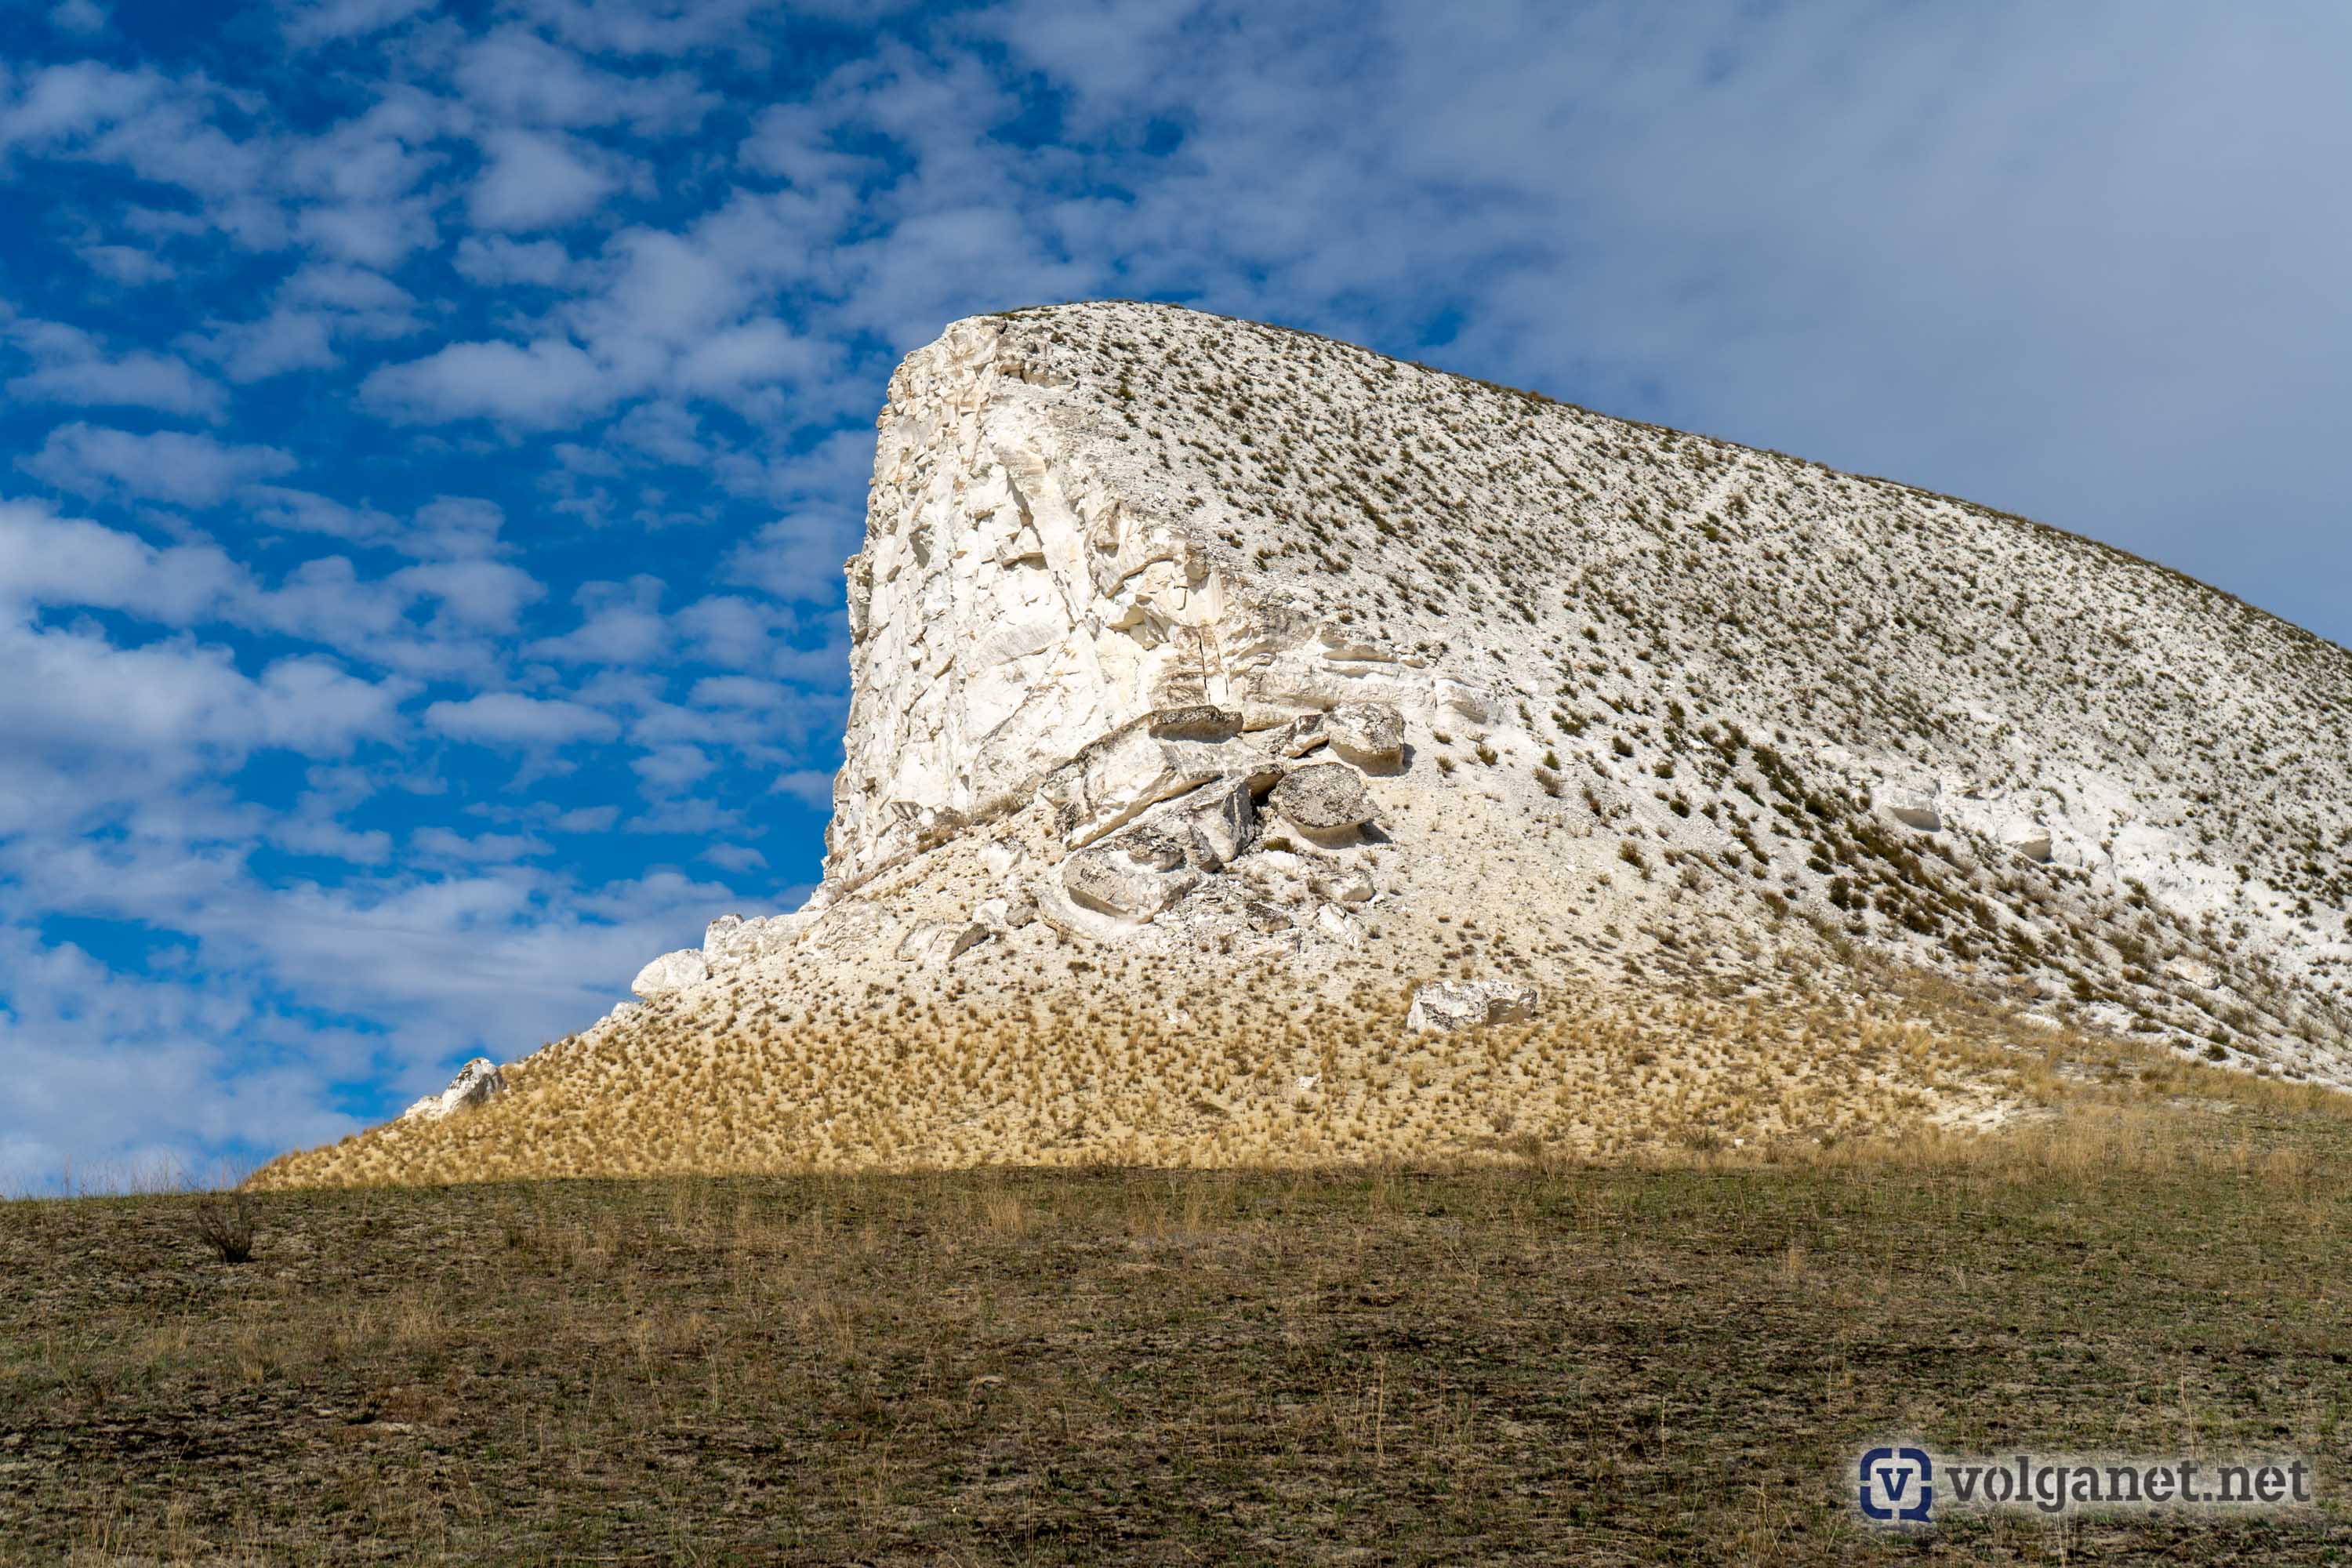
(1021, 596)
(1129, 566)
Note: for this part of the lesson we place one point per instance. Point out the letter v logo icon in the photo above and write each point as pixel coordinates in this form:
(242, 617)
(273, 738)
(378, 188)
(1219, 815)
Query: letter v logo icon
(1895, 1485)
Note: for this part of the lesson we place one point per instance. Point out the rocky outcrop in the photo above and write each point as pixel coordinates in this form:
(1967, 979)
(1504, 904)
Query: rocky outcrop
(1341, 649)
(2027, 839)
(1914, 806)
(935, 944)
(476, 1083)
(1325, 799)
(1369, 734)
(1450, 1004)
(671, 972)
(1022, 604)
(1215, 689)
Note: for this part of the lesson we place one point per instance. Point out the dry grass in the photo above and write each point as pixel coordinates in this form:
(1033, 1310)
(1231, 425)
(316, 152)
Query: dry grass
(1665, 1361)
(1097, 1070)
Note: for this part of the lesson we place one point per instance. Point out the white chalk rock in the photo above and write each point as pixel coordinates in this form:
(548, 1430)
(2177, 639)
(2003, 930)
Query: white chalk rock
(1299, 737)
(1913, 807)
(2193, 972)
(935, 944)
(1444, 1005)
(1132, 877)
(1220, 817)
(476, 1083)
(1346, 886)
(1370, 735)
(1323, 797)
(671, 972)
(718, 936)
(1168, 753)
(2027, 839)
(1333, 923)
(852, 927)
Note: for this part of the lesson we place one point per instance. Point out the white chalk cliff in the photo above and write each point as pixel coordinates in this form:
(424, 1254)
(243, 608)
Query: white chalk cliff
(1263, 656)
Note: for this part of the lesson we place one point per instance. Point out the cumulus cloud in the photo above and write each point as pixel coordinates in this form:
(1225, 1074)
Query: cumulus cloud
(518, 77)
(545, 384)
(510, 719)
(72, 366)
(128, 265)
(279, 343)
(168, 465)
(532, 180)
(494, 261)
(737, 858)
(83, 17)
(663, 26)
(327, 21)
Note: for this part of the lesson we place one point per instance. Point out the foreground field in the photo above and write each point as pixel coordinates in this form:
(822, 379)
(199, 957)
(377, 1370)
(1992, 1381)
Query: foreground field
(1610, 1365)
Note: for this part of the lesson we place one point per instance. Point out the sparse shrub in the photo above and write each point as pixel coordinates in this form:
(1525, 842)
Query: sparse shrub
(225, 1222)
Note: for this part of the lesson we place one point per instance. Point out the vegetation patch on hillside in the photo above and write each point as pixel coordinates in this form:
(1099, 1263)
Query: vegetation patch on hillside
(1670, 1361)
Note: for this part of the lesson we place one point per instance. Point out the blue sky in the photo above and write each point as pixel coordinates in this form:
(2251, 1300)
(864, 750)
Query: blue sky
(430, 433)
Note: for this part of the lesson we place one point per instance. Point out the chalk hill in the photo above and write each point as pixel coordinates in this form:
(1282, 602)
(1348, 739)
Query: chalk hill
(1263, 750)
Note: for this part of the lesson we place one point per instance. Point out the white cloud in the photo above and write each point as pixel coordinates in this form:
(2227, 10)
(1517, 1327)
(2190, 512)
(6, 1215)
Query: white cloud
(83, 17)
(534, 180)
(304, 511)
(71, 366)
(481, 595)
(162, 710)
(486, 848)
(663, 26)
(493, 262)
(517, 77)
(753, 353)
(128, 265)
(512, 719)
(621, 623)
(47, 560)
(731, 631)
(353, 288)
(58, 103)
(667, 770)
(546, 382)
(618, 634)
(283, 340)
(454, 526)
(167, 465)
(810, 786)
(326, 21)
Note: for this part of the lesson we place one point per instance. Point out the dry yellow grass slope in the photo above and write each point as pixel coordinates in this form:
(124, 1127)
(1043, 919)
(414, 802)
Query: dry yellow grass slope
(1104, 1060)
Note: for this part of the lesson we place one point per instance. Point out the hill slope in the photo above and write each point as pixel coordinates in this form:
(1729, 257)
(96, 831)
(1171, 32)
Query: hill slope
(1217, 688)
